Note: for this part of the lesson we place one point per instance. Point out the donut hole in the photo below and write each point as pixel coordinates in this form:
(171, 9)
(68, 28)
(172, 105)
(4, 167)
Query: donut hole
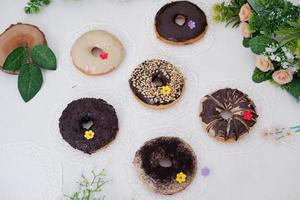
(165, 162)
(96, 51)
(159, 80)
(86, 123)
(180, 20)
(226, 114)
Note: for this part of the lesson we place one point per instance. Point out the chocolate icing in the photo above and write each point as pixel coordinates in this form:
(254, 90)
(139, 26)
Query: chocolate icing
(169, 30)
(148, 78)
(180, 154)
(231, 100)
(103, 116)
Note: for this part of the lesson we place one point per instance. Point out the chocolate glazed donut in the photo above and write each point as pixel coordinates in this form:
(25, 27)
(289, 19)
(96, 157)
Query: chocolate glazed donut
(102, 119)
(238, 104)
(162, 179)
(193, 28)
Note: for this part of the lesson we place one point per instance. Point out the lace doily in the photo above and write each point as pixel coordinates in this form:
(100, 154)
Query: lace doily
(74, 74)
(28, 172)
(293, 142)
(64, 151)
(249, 141)
(289, 136)
(182, 50)
(140, 191)
(177, 110)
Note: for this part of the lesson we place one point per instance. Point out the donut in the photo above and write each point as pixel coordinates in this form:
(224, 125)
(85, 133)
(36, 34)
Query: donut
(88, 124)
(19, 35)
(169, 29)
(162, 178)
(97, 52)
(240, 109)
(157, 83)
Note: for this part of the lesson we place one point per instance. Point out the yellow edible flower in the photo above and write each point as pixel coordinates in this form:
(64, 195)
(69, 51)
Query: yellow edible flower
(181, 177)
(166, 90)
(89, 134)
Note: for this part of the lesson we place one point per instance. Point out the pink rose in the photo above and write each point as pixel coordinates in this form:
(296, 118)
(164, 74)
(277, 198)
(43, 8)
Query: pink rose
(263, 63)
(245, 13)
(245, 29)
(282, 76)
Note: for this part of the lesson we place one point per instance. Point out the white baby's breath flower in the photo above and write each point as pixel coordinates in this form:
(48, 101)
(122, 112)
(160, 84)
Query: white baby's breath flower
(277, 58)
(285, 65)
(272, 57)
(268, 49)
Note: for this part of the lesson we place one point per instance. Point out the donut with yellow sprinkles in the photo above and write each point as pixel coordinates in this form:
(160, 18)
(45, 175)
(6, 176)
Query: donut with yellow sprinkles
(157, 83)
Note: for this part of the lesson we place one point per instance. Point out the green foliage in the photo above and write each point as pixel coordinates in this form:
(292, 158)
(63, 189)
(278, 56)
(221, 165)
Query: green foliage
(294, 88)
(246, 42)
(275, 33)
(259, 76)
(88, 188)
(259, 43)
(30, 81)
(15, 59)
(30, 78)
(44, 57)
(291, 36)
(228, 13)
(34, 6)
(272, 15)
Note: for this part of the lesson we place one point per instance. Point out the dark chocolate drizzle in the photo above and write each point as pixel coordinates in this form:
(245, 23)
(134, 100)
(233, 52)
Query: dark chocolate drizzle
(182, 157)
(231, 100)
(169, 30)
(103, 116)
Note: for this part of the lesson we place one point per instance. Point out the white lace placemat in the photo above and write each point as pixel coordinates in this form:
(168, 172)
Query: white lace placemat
(250, 141)
(74, 74)
(182, 50)
(140, 191)
(30, 171)
(177, 110)
(64, 151)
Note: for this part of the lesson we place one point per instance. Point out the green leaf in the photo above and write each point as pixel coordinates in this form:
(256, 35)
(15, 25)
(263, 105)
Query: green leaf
(259, 43)
(246, 42)
(33, 6)
(259, 76)
(15, 59)
(256, 7)
(294, 88)
(30, 81)
(44, 57)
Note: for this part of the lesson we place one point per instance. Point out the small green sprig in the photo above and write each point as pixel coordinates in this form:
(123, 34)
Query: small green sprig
(29, 63)
(88, 188)
(228, 12)
(34, 6)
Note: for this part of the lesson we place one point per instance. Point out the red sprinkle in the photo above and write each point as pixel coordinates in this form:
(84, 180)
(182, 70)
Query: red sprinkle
(104, 55)
(247, 116)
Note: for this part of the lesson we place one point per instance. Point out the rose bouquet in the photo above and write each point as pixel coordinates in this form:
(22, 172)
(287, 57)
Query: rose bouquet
(271, 29)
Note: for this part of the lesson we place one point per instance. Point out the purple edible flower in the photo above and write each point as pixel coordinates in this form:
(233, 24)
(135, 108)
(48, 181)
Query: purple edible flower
(191, 24)
(205, 171)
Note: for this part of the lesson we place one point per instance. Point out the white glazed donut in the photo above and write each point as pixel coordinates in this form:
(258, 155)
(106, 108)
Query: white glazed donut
(97, 52)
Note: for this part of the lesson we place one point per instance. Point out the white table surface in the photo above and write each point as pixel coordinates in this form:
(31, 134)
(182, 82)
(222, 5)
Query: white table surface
(270, 172)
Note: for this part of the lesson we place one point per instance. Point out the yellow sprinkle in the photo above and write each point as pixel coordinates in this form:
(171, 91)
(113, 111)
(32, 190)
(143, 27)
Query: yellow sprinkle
(181, 177)
(89, 134)
(166, 90)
